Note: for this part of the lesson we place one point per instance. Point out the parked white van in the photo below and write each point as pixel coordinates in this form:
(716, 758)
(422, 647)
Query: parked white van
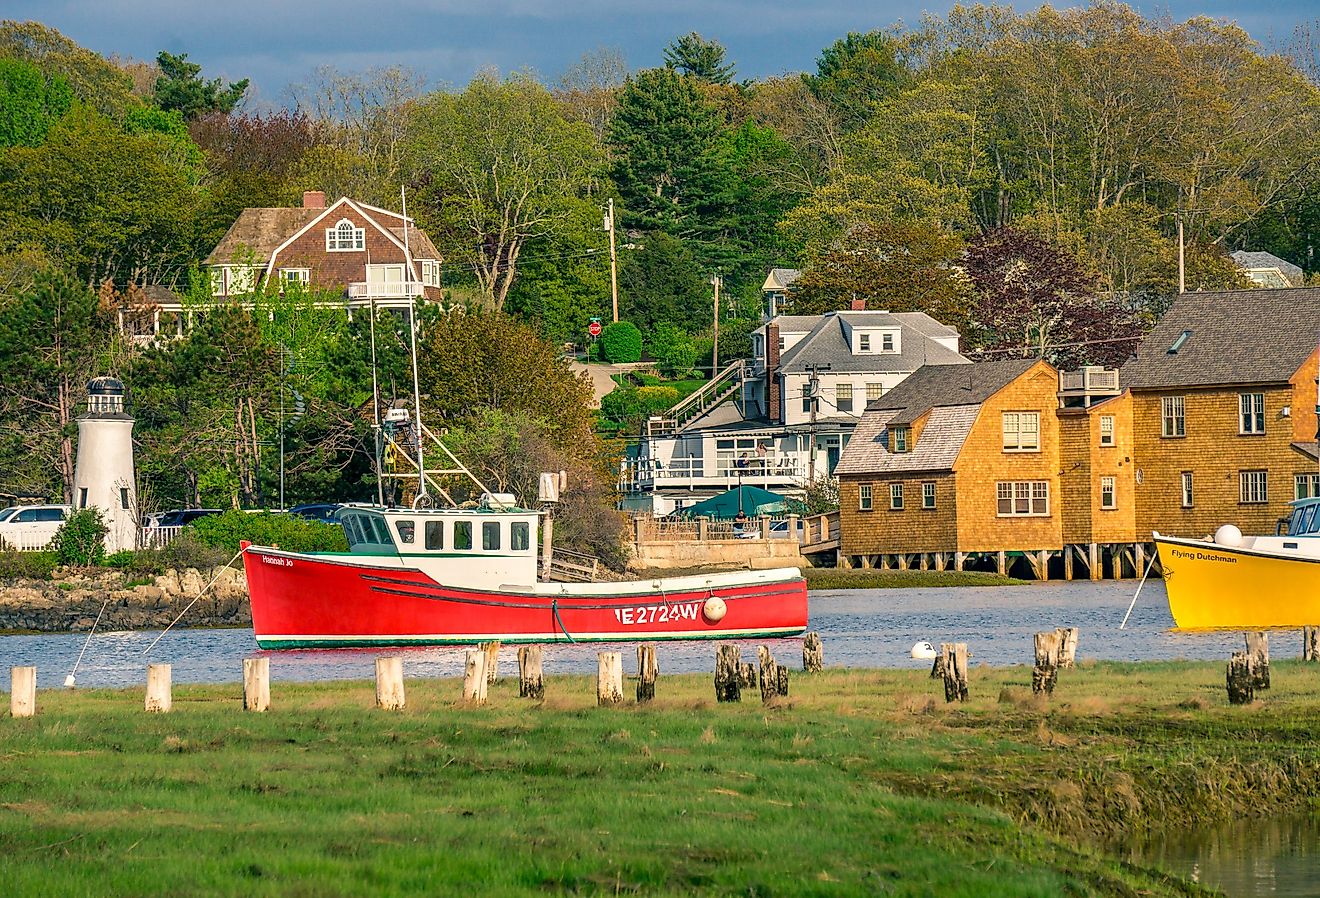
(31, 527)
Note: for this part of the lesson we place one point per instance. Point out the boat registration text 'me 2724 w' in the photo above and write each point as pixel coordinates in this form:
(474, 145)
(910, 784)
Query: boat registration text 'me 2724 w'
(450, 576)
(1236, 582)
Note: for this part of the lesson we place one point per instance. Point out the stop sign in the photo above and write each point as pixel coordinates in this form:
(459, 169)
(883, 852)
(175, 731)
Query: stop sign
(594, 328)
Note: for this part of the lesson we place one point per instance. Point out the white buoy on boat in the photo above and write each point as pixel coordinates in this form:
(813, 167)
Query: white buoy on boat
(923, 651)
(1228, 535)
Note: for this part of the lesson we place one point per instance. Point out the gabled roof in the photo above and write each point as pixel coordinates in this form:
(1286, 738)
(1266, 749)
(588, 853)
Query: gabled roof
(827, 344)
(791, 324)
(1233, 337)
(1257, 261)
(780, 278)
(257, 232)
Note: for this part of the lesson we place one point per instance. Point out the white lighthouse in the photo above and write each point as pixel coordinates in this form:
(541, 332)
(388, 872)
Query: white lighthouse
(103, 473)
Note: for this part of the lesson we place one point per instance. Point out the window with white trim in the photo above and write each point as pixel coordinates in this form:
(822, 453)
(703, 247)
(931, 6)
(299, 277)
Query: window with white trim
(1251, 413)
(1023, 498)
(345, 237)
(1187, 496)
(863, 342)
(901, 439)
(896, 497)
(1306, 486)
(874, 392)
(928, 495)
(1173, 422)
(430, 273)
(1253, 487)
(864, 497)
(1107, 500)
(1021, 431)
(1106, 430)
(843, 397)
(295, 275)
(889, 341)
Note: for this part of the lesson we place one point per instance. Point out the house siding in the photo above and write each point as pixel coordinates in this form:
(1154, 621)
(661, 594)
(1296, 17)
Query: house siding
(1083, 462)
(913, 529)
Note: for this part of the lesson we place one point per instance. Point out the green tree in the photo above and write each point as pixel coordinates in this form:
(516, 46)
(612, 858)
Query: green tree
(500, 167)
(664, 283)
(30, 103)
(693, 55)
(857, 72)
(621, 342)
(180, 88)
(94, 80)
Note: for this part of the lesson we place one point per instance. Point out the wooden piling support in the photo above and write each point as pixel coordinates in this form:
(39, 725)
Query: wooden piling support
(1093, 561)
(256, 684)
(1001, 562)
(1046, 673)
(747, 675)
(159, 700)
(474, 676)
(813, 653)
(955, 671)
(531, 684)
(959, 558)
(1240, 679)
(22, 691)
(389, 684)
(609, 678)
(492, 650)
(1067, 646)
(647, 672)
(781, 679)
(1067, 562)
(769, 673)
(1311, 644)
(1258, 647)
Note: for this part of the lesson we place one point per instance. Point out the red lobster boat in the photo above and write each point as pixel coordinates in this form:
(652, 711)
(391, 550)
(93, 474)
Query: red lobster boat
(452, 576)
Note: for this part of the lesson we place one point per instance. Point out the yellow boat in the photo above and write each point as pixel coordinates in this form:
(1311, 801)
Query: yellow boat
(1236, 582)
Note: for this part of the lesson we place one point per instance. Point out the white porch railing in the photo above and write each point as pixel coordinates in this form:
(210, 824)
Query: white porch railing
(374, 290)
(26, 542)
(637, 474)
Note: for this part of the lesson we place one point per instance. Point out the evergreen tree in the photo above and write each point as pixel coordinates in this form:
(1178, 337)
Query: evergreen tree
(180, 87)
(693, 55)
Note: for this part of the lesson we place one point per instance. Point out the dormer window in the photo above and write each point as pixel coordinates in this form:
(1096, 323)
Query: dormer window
(901, 439)
(888, 342)
(864, 343)
(345, 237)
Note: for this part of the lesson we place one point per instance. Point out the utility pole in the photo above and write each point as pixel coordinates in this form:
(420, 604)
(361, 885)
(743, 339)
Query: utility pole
(716, 282)
(614, 261)
(1182, 266)
(813, 389)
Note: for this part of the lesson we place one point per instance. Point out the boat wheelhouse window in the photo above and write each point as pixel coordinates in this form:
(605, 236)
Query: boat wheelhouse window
(435, 534)
(520, 536)
(407, 530)
(380, 531)
(353, 530)
(462, 534)
(1311, 523)
(490, 536)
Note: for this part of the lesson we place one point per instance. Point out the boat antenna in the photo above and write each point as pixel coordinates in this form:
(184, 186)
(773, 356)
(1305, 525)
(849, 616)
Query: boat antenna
(375, 402)
(422, 498)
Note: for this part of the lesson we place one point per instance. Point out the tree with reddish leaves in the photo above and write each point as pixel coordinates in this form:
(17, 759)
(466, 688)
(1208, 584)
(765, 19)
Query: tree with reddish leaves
(1033, 298)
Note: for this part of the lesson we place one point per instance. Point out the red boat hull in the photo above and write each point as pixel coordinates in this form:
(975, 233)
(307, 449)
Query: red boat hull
(301, 601)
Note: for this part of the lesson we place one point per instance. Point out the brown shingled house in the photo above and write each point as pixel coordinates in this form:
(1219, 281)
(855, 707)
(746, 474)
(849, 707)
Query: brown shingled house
(348, 245)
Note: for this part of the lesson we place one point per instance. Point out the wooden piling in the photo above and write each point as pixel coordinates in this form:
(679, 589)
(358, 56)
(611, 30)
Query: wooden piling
(492, 650)
(609, 678)
(647, 671)
(728, 673)
(747, 675)
(389, 683)
(1258, 647)
(256, 684)
(158, 688)
(1067, 646)
(813, 653)
(769, 678)
(474, 676)
(1240, 679)
(1311, 644)
(22, 691)
(1046, 673)
(531, 684)
(781, 681)
(955, 671)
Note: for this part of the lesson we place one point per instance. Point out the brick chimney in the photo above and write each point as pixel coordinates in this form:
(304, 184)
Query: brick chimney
(313, 199)
(858, 304)
(773, 388)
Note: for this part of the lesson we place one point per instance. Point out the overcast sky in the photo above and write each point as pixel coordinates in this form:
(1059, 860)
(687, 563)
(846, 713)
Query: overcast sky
(278, 42)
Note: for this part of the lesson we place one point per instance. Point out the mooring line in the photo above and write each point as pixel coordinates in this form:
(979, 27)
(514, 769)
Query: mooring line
(72, 677)
(196, 598)
(1140, 586)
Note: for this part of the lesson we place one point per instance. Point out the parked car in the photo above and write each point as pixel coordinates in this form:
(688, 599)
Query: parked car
(183, 516)
(30, 527)
(317, 511)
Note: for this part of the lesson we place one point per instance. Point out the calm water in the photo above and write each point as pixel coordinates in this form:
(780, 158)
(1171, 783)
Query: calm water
(859, 628)
(1246, 859)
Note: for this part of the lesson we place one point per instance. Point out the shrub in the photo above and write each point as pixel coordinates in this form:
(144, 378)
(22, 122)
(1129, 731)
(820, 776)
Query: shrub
(225, 531)
(621, 342)
(26, 565)
(632, 405)
(80, 541)
(674, 351)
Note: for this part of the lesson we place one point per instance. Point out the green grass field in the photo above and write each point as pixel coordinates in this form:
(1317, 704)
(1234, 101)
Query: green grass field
(836, 578)
(860, 783)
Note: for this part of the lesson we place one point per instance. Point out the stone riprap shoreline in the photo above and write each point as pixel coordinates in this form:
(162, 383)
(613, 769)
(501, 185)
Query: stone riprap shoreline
(69, 601)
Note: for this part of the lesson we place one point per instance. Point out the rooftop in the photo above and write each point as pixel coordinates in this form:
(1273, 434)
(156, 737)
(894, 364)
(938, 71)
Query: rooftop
(827, 344)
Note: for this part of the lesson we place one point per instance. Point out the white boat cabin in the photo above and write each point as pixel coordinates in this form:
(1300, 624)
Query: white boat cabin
(479, 547)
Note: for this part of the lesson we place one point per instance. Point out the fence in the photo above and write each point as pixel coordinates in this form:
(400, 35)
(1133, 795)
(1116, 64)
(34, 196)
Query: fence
(156, 537)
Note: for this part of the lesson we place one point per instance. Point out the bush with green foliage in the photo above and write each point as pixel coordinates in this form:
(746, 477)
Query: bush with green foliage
(26, 565)
(225, 531)
(629, 406)
(675, 352)
(621, 342)
(80, 541)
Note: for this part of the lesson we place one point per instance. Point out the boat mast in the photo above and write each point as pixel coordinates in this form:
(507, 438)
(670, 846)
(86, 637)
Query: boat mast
(375, 403)
(422, 499)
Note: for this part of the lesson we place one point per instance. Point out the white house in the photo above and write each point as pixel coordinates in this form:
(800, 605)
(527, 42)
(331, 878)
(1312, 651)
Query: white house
(781, 419)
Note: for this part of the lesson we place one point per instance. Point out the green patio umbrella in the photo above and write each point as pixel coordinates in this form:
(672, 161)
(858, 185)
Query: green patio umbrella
(751, 500)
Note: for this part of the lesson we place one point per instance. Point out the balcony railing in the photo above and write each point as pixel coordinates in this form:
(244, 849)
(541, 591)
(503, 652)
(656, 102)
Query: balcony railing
(645, 473)
(390, 290)
(1090, 379)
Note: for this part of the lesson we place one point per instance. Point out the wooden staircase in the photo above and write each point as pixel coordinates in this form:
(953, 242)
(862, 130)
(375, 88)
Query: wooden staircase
(718, 389)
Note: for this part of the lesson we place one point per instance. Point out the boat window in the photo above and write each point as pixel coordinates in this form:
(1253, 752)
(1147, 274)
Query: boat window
(490, 536)
(1297, 524)
(519, 536)
(406, 530)
(1312, 522)
(353, 530)
(435, 534)
(462, 534)
(382, 532)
